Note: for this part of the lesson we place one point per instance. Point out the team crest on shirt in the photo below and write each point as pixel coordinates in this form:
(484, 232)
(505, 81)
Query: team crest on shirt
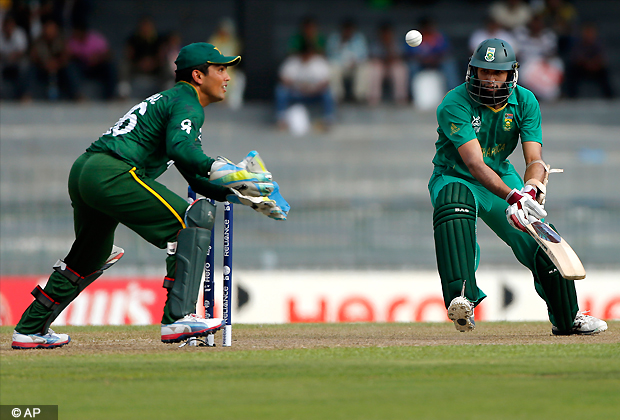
(508, 121)
(490, 55)
(476, 123)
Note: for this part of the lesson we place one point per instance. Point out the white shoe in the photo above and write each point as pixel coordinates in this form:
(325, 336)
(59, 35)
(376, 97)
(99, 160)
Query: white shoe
(39, 341)
(583, 325)
(189, 326)
(115, 255)
(461, 311)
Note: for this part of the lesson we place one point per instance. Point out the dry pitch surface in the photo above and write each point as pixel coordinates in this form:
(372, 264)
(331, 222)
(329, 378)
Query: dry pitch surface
(110, 340)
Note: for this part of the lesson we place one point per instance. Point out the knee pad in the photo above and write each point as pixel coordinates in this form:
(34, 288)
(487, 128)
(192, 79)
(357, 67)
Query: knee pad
(559, 293)
(454, 226)
(200, 214)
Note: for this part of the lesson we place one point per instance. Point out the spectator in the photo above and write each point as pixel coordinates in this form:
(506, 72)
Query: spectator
(143, 65)
(50, 63)
(536, 40)
(386, 63)
(588, 61)
(510, 14)
(170, 50)
(347, 52)
(432, 54)
(561, 17)
(77, 12)
(67, 13)
(308, 33)
(228, 42)
(27, 16)
(92, 59)
(304, 78)
(13, 58)
(541, 68)
(492, 29)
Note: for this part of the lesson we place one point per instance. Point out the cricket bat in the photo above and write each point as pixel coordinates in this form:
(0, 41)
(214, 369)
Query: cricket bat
(560, 252)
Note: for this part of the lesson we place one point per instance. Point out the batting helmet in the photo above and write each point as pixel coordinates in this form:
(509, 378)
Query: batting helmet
(492, 54)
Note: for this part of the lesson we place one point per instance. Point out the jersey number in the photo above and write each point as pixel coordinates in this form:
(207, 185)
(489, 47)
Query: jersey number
(129, 120)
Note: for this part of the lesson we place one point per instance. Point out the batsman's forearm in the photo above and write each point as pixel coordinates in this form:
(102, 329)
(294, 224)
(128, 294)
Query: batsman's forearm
(490, 180)
(535, 171)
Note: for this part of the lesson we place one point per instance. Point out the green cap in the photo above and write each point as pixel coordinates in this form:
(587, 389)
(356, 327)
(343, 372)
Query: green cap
(199, 53)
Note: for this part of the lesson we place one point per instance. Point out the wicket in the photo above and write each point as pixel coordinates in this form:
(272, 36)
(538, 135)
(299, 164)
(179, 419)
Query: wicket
(209, 282)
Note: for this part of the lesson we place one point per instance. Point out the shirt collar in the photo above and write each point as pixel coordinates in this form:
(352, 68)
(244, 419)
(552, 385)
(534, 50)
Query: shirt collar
(193, 88)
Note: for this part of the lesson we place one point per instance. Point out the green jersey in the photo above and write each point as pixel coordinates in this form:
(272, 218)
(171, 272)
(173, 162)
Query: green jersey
(461, 120)
(164, 127)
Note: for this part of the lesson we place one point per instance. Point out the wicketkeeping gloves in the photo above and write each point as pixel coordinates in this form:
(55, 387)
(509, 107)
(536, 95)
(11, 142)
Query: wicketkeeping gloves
(274, 206)
(523, 209)
(238, 177)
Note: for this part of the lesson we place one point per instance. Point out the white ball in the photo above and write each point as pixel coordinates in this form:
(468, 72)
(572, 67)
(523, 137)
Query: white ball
(413, 38)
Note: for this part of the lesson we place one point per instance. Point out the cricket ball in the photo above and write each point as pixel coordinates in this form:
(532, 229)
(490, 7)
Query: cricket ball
(413, 38)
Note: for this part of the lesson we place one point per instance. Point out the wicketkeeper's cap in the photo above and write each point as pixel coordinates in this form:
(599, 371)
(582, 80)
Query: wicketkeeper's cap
(199, 53)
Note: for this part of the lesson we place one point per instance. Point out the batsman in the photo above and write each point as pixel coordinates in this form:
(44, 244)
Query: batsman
(114, 182)
(480, 124)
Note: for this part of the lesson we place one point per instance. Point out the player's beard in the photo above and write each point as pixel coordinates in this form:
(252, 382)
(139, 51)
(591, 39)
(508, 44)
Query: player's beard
(495, 96)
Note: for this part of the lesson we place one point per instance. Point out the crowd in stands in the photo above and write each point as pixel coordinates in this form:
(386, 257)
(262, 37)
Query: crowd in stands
(557, 52)
(557, 55)
(49, 52)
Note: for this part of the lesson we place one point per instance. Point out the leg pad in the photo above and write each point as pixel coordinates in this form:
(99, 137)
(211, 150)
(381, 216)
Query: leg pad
(192, 247)
(80, 282)
(44, 299)
(559, 293)
(454, 225)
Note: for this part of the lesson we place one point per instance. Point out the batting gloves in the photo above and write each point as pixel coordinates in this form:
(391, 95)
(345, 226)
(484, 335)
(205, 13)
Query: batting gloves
(523, 209)
(238, 177)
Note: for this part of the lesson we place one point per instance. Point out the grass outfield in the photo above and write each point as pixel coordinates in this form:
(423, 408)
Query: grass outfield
(326, 371)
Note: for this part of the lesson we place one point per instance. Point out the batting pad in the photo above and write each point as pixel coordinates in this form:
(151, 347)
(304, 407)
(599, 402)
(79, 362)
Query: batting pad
(559, 293)
(454, 225)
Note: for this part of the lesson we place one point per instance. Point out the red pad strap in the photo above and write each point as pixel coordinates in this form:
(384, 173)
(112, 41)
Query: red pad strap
(43, 298)
(69, 274)
(168, 282)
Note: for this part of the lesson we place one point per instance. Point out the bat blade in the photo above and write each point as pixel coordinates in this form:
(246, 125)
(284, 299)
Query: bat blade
(565, 259)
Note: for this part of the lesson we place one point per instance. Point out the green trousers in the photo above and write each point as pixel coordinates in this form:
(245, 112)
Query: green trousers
(104, 192)
(559, 294)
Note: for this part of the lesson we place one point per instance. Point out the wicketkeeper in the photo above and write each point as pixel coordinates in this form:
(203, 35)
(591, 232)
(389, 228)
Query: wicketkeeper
(115, 182)
(480, 123)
